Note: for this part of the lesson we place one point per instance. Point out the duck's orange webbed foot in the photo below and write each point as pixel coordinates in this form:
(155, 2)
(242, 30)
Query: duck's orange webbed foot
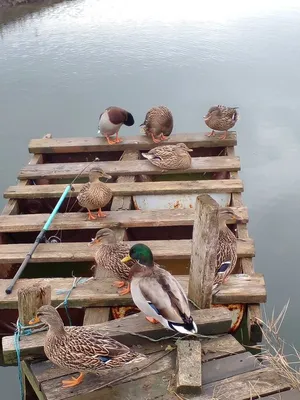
(163, 137)
(155, 140)
(224, 136)
(101, 214)
(110, 141)
(117, 140)
(91, 216)
(212, 133)
(124, 291)
(119, 284)
(152, 320)
(73, 382)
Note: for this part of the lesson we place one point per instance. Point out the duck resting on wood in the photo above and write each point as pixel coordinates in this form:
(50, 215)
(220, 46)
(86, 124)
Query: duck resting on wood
(158, 123)
(95, 194)
(221, 118)
(109, 254)
(81, 348)
(111, 120)
(227, 248)
(157, 293)
(170, 156)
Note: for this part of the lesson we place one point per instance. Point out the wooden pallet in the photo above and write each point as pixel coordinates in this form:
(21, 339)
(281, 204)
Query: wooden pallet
(57, 161)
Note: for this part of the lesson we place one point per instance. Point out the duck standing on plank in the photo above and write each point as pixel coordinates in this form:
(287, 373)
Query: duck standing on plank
(95, 194)
(221, 118)
(170, 156)
(157, 293)
(158, 123)
(111, 120)
(81, 348)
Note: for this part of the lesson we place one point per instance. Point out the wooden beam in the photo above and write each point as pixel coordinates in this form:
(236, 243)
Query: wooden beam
(140, 142)
(114, 219)
(30, 299)
(124, 189)
(204, 254)
(80, 251)
(209, 322)
(188, 367)
(119, 168)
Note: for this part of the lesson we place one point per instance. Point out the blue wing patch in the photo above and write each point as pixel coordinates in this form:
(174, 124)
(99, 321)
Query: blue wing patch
(104, 359)
(224, 266)
(154, 308)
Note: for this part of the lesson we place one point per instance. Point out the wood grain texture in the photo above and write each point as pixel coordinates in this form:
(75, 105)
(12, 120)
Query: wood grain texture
(114, 219)
(210, 321)
(140, 142)
(122, 188)
(120, 168)
(80, 251)
(30, 299)
(188, 375)
(204, 255)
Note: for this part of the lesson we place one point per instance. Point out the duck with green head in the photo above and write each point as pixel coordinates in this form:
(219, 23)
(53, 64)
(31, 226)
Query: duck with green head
(157, 293)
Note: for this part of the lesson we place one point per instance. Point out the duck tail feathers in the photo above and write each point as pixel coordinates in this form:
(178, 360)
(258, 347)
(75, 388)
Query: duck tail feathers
(184, 328)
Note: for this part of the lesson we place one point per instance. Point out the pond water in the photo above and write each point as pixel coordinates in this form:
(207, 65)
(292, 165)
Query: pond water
(60, 66)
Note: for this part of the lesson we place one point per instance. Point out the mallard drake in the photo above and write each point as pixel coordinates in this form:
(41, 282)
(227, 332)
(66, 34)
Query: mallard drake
(111, 120)
(95, 194)
(227, 248)
(158, 123)
(109, 254)
(221, 118)
(157, 293)
(170, 156)
(81, 348)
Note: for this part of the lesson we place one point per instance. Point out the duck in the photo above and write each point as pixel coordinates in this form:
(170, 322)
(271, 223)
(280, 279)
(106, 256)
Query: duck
(221, 118)
(110, 122)
(157, 293)
(170, 156)
(109, 254)
(95, 194)
(158, 123)
(80, 348)
(226, 250)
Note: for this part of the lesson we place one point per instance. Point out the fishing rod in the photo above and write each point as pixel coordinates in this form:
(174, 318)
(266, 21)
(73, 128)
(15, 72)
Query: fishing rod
(40, 236)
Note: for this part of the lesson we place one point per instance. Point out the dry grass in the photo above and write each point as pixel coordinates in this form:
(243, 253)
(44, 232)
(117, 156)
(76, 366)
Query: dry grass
(276, 353)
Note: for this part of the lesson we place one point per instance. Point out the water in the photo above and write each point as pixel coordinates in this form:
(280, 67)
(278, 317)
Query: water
(63, 65)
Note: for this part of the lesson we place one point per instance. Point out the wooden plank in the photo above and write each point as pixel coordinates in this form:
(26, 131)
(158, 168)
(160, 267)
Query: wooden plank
(188, 376)
(120, 168)
(123, 189)
(238, 289)
(26, 370)
(114, 219)
(209, 321)
(204, 255)
(140, 142)
(96, 315)
(287, 395)
(220, 347)
(79, 251)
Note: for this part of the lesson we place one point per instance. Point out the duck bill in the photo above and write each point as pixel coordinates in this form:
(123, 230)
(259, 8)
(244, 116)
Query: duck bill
(189, 150)
(94, 241)
(126, 259)
(106, 176)
(34, 321)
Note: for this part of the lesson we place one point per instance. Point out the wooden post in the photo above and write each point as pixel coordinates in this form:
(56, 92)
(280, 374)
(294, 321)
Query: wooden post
(204, 251)
(188, 367)
(30, 299)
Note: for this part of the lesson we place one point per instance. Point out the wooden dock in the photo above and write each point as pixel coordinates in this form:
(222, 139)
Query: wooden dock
(167, 229)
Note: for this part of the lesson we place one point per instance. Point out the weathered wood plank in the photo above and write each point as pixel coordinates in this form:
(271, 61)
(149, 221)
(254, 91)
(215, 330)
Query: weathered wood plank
(188, 376)
(237, 289)
(204, 255)
(287, 395)
(79, 251)
(140, 142)
(96, 315)
(210, 321)
(123, 189)
(26, 370)
(121, 168)
(220, 347)
(114, 219)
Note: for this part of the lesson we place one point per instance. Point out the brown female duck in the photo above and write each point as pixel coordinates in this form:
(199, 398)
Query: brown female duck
(111, 120)
(158, 123)
(95, 194)
(221, 118)
(170, 156)
(81, 348)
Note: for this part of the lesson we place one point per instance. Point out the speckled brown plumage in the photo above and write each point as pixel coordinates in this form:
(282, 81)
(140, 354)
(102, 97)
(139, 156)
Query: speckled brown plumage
(221, 118)
(81, 348)
(170, 156)
(158, 123)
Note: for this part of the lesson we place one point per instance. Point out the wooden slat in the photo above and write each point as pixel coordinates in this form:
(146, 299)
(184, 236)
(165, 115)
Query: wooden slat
(78, 252)
(96, 294)
(140, 142)
(121, 168)
(136, 188)
(209, 322)
(114, 219)
(287, 395)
